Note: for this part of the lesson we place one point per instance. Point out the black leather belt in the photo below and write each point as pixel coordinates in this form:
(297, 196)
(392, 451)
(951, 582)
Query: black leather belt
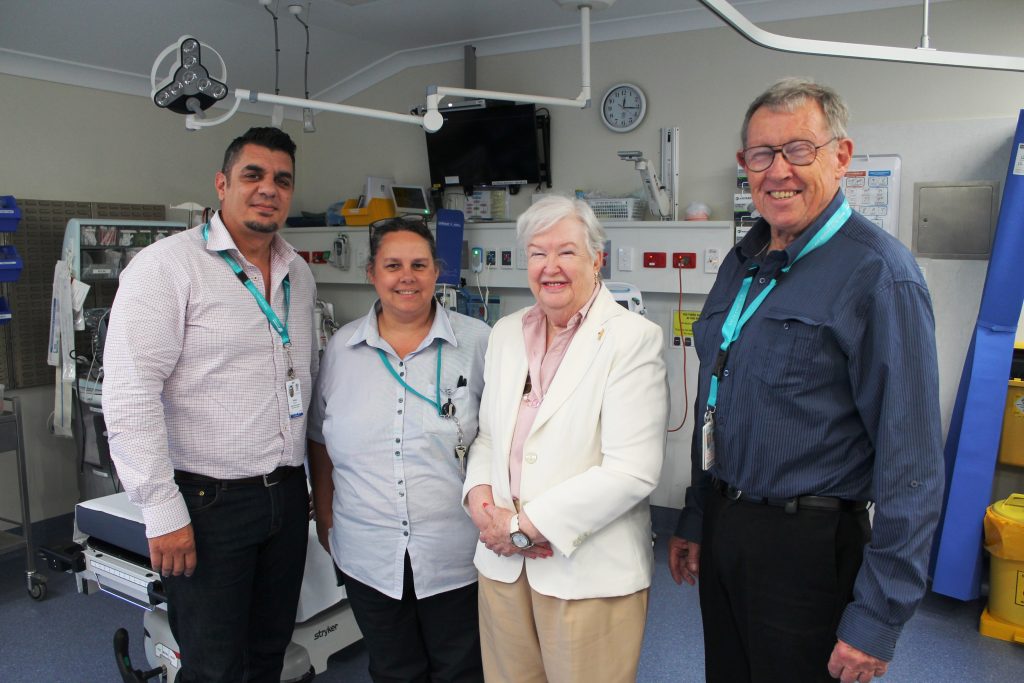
(791, 505)
(275, 477)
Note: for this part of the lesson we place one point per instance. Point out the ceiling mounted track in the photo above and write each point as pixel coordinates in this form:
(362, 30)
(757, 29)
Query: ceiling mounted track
(919, 55)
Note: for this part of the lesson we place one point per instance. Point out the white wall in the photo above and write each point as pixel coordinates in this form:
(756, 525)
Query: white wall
(62, 142)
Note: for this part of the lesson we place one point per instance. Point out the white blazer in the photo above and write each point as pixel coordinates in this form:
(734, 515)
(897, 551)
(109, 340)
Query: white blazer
(592, 457)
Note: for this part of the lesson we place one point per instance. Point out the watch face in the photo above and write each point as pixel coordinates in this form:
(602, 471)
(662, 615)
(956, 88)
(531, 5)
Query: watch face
(521, 540)
(623, 107)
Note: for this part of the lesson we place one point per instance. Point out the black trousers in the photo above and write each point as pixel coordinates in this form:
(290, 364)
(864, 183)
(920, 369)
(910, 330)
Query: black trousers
(773, 587)
(435, 639)
(234, 617)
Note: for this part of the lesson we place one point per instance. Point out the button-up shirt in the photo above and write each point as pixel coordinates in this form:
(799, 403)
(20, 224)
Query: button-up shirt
(831, 390)
(194, 376)
(543, 361)
(397, 480)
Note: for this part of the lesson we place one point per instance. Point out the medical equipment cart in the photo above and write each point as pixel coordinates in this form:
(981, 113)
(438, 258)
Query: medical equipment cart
(12, 440)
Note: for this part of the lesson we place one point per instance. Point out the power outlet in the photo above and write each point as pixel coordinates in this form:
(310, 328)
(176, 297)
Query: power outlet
(712, 260)
(684, 259)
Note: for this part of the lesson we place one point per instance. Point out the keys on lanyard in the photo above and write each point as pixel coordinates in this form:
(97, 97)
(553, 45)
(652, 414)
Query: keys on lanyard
(448, 413)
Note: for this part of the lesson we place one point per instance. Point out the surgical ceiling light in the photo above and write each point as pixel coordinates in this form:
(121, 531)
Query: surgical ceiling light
(431, 121)
(921, 55)
(190, 89)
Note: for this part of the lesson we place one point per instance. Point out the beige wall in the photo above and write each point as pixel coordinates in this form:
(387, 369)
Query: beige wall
(63, 142)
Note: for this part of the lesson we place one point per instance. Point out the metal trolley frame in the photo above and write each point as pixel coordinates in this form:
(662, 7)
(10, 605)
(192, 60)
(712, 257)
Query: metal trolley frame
(12, 439)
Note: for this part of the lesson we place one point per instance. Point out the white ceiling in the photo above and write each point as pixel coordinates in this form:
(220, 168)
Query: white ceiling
(111, 44)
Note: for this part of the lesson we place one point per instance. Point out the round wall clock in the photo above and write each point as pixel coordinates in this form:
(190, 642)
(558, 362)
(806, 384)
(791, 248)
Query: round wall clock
(623, 107)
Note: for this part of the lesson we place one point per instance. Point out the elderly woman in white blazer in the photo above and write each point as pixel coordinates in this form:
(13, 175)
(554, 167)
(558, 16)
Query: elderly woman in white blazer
(571, 442)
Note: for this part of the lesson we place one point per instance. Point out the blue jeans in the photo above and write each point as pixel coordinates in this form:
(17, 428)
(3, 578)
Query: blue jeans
(234, 617)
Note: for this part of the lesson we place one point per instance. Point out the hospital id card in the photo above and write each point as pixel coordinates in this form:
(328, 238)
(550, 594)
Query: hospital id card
(294, 398)
(708, 442)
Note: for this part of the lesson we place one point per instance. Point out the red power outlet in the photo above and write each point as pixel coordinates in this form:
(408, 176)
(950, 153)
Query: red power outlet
(684, 259)
(654, 259)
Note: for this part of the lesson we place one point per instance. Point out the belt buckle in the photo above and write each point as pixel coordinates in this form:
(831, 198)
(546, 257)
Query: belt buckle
(267, 483)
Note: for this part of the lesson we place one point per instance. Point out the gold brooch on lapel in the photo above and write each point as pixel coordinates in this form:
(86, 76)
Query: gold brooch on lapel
(600, 334)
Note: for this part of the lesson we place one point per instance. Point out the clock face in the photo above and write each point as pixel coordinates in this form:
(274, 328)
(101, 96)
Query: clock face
(623, 107)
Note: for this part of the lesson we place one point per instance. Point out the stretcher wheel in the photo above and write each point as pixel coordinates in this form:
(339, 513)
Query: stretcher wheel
(37, 591)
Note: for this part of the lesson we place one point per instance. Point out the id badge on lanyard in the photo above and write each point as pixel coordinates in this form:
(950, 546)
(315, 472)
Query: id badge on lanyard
(708, 440)
(294, 388)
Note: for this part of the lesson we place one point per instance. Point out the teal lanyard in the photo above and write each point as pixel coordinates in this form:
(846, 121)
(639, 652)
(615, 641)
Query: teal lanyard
(275, 322)
(437, 385)
(738, 316)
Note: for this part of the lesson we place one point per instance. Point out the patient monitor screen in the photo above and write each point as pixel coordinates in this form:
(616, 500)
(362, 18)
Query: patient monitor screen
(410, 199)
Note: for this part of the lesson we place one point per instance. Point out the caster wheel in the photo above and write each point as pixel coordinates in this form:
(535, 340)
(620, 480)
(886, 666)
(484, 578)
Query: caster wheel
(37, 591)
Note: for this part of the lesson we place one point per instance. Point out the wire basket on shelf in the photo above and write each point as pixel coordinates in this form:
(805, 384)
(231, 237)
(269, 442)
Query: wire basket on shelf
(618, 208)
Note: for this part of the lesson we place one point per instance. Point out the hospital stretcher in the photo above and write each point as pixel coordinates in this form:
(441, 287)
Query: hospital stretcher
(111, 556)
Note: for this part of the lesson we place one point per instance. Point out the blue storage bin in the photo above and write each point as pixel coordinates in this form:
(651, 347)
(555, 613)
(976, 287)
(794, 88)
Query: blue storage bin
(5, 311)
(10, 214)
(10, 263)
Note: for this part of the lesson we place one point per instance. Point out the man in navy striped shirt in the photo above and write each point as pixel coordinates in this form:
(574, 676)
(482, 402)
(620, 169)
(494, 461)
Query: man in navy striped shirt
(819, 393)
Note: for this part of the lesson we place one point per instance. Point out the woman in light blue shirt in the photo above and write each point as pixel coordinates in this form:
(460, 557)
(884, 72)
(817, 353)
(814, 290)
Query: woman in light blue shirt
(392, 415)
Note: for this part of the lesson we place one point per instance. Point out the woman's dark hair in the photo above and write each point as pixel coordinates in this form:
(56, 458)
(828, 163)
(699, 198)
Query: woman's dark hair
(412, 223)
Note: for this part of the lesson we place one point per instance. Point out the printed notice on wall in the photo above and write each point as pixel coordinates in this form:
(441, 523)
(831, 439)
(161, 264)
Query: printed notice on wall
(872, 187)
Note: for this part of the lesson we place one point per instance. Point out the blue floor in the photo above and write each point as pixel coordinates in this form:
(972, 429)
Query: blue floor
(67, 637)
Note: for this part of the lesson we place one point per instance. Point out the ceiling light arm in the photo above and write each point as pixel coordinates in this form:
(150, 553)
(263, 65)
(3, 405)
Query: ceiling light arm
(774, 41)
(255, 96)
(432, 120)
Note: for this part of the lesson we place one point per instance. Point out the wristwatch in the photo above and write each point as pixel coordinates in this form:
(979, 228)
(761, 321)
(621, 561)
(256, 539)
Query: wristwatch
(518, 538)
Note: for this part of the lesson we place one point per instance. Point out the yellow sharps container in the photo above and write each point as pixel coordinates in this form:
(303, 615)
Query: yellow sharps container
(1004, 540)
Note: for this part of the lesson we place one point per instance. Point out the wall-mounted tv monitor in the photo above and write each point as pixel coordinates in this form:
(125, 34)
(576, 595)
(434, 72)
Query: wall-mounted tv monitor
(487, 146)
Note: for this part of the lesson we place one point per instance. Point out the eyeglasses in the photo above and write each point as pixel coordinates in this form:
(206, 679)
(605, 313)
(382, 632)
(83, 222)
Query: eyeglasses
(404, 218)
(797, 152)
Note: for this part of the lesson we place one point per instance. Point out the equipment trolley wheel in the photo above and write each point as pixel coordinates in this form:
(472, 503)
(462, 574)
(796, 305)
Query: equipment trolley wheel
(37, 586)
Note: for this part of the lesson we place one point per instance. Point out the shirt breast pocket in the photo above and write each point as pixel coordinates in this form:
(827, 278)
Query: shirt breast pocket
(707, 330)
(785, 350)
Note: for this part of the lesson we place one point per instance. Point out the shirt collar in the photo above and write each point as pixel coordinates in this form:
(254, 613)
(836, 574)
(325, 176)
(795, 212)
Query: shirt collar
(368, 333)
(220, 240)
(760, 234)
(536, 313)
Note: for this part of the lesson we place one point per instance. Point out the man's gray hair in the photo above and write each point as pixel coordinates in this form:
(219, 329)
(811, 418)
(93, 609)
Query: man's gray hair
(791, 93)
(554, 208)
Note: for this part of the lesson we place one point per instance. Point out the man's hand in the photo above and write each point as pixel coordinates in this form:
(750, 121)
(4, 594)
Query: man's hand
(174, 553)
(850, 665)
(683, 560)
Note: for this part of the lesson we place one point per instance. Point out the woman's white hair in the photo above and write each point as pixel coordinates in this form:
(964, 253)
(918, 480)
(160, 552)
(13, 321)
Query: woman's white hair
(543, 215)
